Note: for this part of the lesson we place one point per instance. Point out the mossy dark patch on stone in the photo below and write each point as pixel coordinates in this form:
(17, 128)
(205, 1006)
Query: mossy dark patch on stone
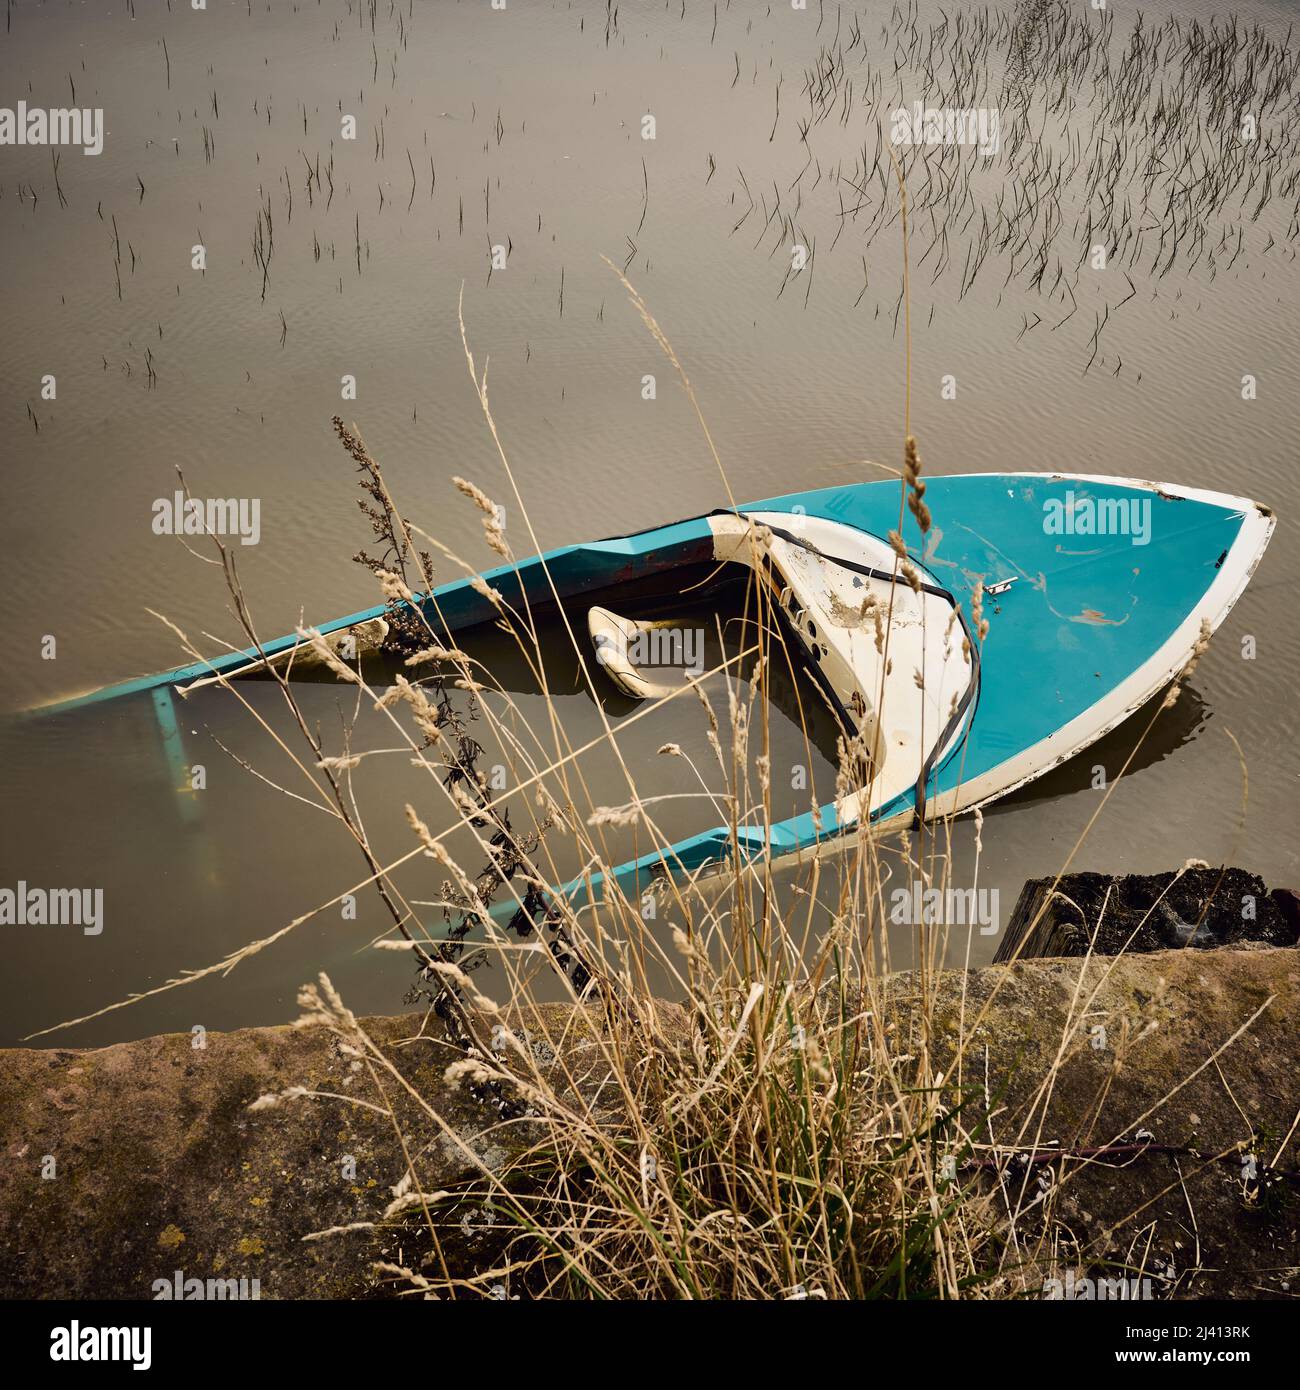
(1200, 908)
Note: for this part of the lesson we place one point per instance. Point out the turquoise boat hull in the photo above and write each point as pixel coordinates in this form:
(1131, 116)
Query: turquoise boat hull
(1089, 627)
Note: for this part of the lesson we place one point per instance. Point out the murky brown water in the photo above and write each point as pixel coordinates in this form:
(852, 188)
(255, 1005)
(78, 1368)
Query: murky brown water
(522, 128)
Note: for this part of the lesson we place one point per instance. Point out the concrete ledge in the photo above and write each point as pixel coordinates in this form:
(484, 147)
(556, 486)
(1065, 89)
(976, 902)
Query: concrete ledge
(159, 1166)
